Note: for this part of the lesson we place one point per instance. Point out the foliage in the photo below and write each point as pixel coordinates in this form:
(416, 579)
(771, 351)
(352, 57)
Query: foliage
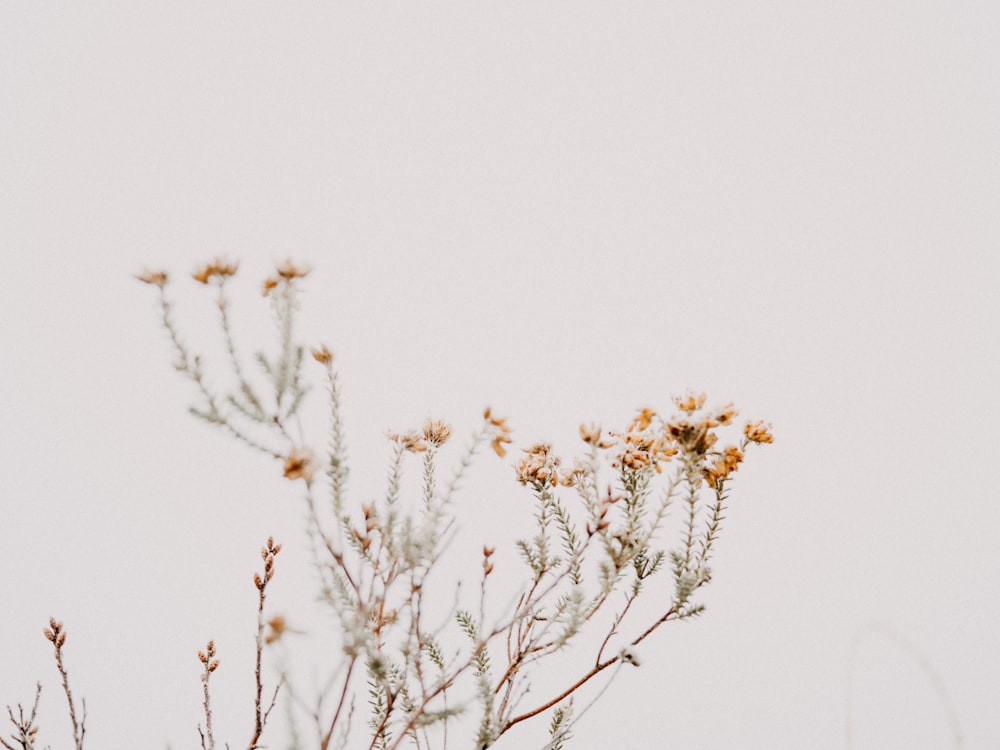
(598, 541)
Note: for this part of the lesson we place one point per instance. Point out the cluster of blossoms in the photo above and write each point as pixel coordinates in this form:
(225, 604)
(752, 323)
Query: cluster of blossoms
(650, 441)
(499, 432)
(640, 449)
(323, 355)
(723, 464)
(300, 464)
(375, 557)
(287, 271)
(154, 278)
(434, 434)
(538, 467)
(218, 269)
(758, 432)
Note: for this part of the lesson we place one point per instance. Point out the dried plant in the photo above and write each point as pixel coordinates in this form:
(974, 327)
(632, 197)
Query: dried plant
(599, 542)
(56, 634)
(25, 727)
(595, 542)
(209, 665)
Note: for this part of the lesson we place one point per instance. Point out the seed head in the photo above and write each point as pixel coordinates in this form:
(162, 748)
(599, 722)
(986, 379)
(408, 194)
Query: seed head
(322, 355)
(299, 465)
(758, 432)
(215, 269)
(436, 432)
(288, 270)
(690, 402)
(155, 278)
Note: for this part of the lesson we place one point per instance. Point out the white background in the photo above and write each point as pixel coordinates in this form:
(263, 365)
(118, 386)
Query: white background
(565, 210)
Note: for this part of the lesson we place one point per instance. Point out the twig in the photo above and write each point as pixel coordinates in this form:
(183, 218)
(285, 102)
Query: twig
(268, 552)
(26, 729)
(210, 663)
(56, 634)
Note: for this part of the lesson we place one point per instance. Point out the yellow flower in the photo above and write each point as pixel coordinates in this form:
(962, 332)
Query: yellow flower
(436, 432)
(299, 465)
(691, 402)
(758, 432)
(724, 464)
(411, 441)
(634, 458)
(725, 414)
(322, 355)
(288, 270)
(692, 438)
(277, 627)
(642, 420)
(156, 278)
(642, 449)
(538, 467)
(591, 434)
(497, 426)
(215, 268)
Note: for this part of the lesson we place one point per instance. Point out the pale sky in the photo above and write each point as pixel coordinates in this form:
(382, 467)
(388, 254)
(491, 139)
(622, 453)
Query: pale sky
(563, 210)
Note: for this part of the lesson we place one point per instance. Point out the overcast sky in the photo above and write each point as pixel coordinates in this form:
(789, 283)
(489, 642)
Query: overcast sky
(564, 210)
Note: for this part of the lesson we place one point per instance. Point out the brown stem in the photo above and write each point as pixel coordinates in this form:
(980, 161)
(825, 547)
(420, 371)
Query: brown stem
(614, 627)
(670, 613)
(340, 704)
(568, 691)
(258, 726)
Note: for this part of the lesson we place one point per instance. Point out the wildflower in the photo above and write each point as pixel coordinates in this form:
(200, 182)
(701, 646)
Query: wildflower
(288, 270)
(299, 465)
(277, 627)
(733, 455)
(691, 402)
(576, 475)
(156, 278)
(215, 268)
(641, 450)
(497, 444)
(713, 475)
(567, 478)
(692, 438)
(725, 414)
(591, 434)
(724, 465)
(269, 283)
(436, 432)
(758, 432)
(634, 458)
(322, 355)
(501, 432)
(642, 420)
(411, 441)
(538, 467)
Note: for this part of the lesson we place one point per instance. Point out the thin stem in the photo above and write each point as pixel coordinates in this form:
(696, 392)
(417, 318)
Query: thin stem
(596, 669)
(324, 744)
